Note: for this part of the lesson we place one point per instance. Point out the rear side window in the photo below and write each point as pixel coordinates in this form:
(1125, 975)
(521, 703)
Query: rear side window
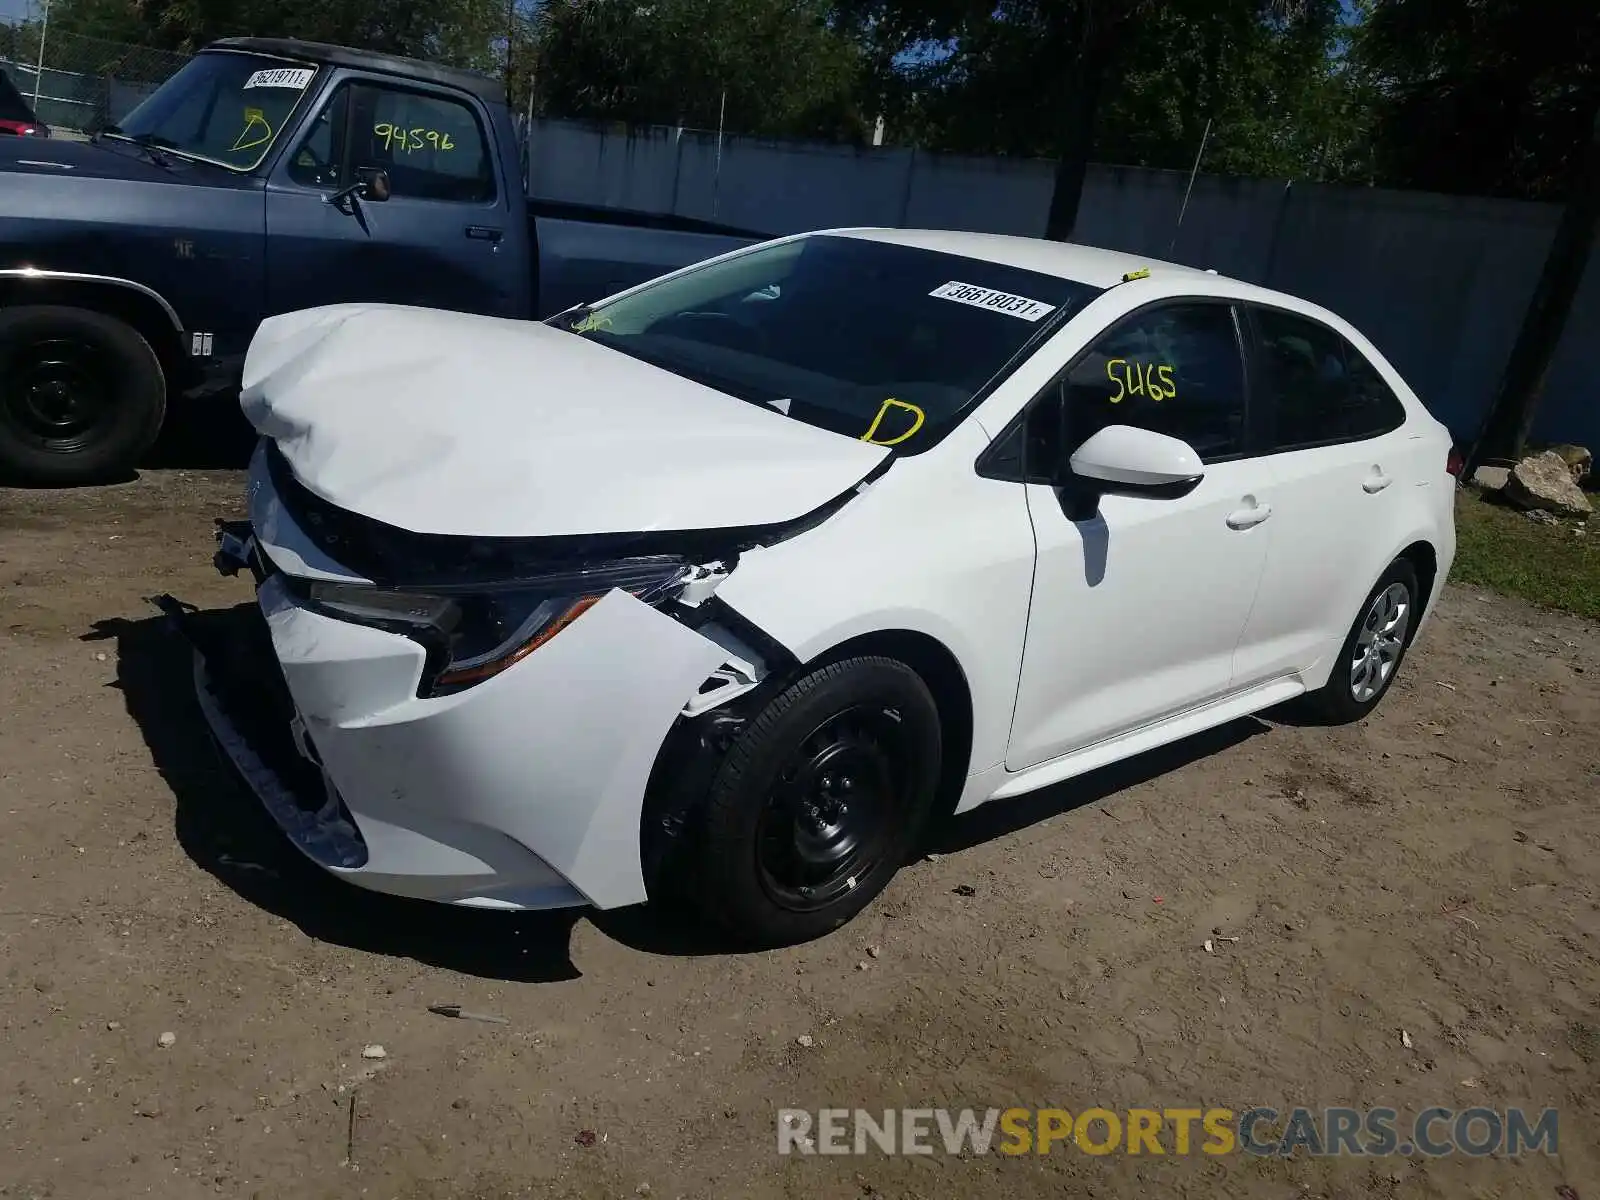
(1316, 388)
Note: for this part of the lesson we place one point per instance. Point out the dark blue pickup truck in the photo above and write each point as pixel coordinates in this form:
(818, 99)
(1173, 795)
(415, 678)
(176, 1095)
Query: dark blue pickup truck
(267, 176)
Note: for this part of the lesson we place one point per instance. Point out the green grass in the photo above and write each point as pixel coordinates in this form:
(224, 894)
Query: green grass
(1497, 547)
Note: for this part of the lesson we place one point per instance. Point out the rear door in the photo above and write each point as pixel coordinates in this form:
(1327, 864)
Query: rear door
(444, 238)
(1341, 465)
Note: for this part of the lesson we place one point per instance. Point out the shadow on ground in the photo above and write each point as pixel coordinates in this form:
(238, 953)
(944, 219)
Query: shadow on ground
(227, 833)
(204, 433)
(1003, 817)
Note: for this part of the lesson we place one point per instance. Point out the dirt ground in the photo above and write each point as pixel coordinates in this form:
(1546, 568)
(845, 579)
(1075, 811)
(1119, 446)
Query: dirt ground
(1432, 875)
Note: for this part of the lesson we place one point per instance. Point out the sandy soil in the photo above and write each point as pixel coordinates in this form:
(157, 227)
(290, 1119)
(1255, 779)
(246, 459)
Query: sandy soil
(1435, 871)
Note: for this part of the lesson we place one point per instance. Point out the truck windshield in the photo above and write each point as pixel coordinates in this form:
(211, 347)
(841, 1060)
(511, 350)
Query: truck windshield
(222, 107)
(875, 340)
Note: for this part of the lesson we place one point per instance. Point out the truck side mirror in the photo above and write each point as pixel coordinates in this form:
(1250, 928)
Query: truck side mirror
(374, 183)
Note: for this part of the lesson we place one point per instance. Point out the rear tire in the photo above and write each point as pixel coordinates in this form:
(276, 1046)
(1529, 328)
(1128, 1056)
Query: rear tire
(818, 802)
(82, 395)
(1372, 652)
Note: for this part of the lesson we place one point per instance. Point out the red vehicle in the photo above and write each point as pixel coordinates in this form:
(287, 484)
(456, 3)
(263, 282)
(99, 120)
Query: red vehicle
(15, 115)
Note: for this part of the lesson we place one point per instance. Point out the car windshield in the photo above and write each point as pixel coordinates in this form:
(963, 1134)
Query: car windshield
(222, 107)
(877, 341)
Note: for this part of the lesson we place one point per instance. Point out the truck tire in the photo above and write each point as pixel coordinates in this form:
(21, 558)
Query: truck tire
(82, 395)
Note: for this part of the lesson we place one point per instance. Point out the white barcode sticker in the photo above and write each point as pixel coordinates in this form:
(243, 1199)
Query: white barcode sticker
(1003, 302)
(282, 77)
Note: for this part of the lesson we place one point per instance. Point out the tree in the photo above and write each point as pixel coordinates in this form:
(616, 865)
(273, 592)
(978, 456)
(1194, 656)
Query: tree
(1510, 418)
(463, 32)
(776, 65)
(1132, 80)
(1487, 97)
(1279, 94)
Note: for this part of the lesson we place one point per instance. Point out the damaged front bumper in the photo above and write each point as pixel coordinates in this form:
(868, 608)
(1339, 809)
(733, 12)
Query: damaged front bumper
(525, 791)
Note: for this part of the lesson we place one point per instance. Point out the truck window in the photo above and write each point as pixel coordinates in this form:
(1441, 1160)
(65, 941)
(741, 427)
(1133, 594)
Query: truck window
(432, 147)
(318, 161)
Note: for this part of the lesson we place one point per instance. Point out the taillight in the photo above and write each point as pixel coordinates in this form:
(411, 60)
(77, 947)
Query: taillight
(1456, 463)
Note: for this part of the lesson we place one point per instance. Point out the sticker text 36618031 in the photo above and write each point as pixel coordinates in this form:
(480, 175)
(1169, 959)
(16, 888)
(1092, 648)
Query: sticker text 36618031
(1002, 302)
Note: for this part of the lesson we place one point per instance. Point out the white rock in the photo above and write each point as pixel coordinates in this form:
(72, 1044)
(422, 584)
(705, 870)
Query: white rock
(167, 1040)
(806, 1040)
(1545, 481)
(374, 1051)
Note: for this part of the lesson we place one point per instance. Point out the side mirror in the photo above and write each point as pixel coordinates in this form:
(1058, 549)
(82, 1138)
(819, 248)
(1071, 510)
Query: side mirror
(374, 183)
(1122, 458)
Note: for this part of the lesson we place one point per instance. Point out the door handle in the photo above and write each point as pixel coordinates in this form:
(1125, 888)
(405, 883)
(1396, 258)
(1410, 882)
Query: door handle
(1376, 481)
(484, 233)
(1247, 518)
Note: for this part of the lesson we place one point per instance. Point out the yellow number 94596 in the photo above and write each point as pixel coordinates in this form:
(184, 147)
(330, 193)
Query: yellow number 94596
(409, 141)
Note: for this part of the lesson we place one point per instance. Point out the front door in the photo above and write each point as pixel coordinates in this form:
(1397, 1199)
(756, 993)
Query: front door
(1136, 611)
(444, 238)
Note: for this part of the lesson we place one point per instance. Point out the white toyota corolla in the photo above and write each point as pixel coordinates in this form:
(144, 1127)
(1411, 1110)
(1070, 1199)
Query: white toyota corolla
(726, 584)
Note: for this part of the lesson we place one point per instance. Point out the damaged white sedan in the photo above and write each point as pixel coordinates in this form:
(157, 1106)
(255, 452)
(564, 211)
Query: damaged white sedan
(724, 586)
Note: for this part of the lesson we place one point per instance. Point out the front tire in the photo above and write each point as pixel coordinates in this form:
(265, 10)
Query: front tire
(818, 802)
(1372, 652)
(82, 395)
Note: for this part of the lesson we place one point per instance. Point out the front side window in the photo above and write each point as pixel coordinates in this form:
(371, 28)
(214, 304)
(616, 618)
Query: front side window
(221, 107)
(431, 147)
(873, 340)
(1175, 369)
(1317, 387)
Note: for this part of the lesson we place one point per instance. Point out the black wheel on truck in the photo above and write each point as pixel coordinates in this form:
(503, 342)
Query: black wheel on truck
(82, 395)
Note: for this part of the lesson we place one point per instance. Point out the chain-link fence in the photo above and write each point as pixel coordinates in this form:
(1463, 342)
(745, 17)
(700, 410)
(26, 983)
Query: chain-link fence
(81, 82)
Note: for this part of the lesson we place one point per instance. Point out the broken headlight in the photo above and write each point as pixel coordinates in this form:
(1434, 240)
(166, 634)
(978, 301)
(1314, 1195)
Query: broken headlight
(473, 633)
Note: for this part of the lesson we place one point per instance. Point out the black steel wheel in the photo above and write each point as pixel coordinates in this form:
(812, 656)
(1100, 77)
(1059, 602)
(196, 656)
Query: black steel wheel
(832, 816)
(82, 395)
(818, 801)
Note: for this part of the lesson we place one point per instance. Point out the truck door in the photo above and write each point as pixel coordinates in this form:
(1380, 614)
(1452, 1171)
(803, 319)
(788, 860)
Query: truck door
(443, 238)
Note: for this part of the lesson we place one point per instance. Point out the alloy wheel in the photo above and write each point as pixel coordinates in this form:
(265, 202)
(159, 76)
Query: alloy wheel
(1380, 642)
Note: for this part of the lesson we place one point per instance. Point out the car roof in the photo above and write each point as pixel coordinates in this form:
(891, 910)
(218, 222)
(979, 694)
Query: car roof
(1066, 260)
(1090, 265)
(490, 91)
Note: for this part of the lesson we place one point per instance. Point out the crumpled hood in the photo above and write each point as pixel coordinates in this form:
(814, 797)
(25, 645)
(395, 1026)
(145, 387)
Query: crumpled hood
(441, 422)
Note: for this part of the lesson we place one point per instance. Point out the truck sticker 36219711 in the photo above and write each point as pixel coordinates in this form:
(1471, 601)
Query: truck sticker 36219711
(294, 78)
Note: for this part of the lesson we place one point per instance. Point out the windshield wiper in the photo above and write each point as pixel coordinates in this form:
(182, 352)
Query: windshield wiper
(153, 143)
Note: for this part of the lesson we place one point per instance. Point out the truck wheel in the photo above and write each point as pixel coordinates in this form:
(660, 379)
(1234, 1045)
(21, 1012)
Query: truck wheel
(82, 395)
(818, 802)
